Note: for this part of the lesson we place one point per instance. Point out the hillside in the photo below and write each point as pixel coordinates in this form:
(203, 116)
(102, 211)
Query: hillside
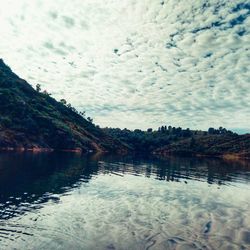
(33, 120)
(234, 146)
(177, 141)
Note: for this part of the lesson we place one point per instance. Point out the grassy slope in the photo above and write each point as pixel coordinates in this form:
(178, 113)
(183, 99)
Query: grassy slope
(35, 120)
(210, 145)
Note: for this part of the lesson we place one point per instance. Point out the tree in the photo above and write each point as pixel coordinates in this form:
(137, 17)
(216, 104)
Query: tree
(63, 101)
(45, 92)
(178, 130)
(211, 131)
(149, 130)
(82, 113)
(173, 130)
(90, 119)
(38, 87)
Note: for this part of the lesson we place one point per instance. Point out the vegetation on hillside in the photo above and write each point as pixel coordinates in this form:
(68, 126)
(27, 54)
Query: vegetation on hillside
(229, 146)
(147, 141)
(30, 118)
(170, 140)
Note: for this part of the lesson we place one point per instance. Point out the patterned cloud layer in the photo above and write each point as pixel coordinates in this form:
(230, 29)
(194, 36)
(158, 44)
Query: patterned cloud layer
(136, 64)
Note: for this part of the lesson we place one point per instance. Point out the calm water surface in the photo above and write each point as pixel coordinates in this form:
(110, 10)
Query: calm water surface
(69, 201)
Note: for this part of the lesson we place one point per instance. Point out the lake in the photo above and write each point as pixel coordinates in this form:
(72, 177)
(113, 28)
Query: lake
(72, 201)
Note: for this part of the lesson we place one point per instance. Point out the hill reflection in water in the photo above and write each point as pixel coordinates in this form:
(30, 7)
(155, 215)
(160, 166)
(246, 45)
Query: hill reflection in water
(36, 178)
(64, 200)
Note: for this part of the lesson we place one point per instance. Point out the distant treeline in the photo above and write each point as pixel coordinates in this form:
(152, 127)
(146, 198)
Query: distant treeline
(147, 141)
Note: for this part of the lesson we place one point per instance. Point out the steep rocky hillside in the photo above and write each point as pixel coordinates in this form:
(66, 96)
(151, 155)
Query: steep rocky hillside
(33, 120)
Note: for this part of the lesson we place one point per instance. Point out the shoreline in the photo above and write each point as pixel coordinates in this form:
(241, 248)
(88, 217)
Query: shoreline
(39, 150)
(226, 156)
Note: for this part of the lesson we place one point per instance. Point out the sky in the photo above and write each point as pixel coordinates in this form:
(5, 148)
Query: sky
(136, 63)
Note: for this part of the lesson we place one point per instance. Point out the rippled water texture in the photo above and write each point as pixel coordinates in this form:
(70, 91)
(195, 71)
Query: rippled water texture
(67, 201)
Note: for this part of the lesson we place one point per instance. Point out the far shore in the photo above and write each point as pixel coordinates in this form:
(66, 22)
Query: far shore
(227, 156)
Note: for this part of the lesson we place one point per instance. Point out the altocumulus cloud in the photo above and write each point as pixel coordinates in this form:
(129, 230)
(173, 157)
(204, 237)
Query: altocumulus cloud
(136, 64)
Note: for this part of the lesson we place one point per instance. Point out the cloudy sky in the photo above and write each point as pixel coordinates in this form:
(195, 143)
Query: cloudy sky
(136, 63)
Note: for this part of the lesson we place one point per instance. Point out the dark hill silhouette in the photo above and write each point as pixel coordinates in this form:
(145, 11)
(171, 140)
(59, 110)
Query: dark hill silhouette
(177, 141)
(30, 119)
